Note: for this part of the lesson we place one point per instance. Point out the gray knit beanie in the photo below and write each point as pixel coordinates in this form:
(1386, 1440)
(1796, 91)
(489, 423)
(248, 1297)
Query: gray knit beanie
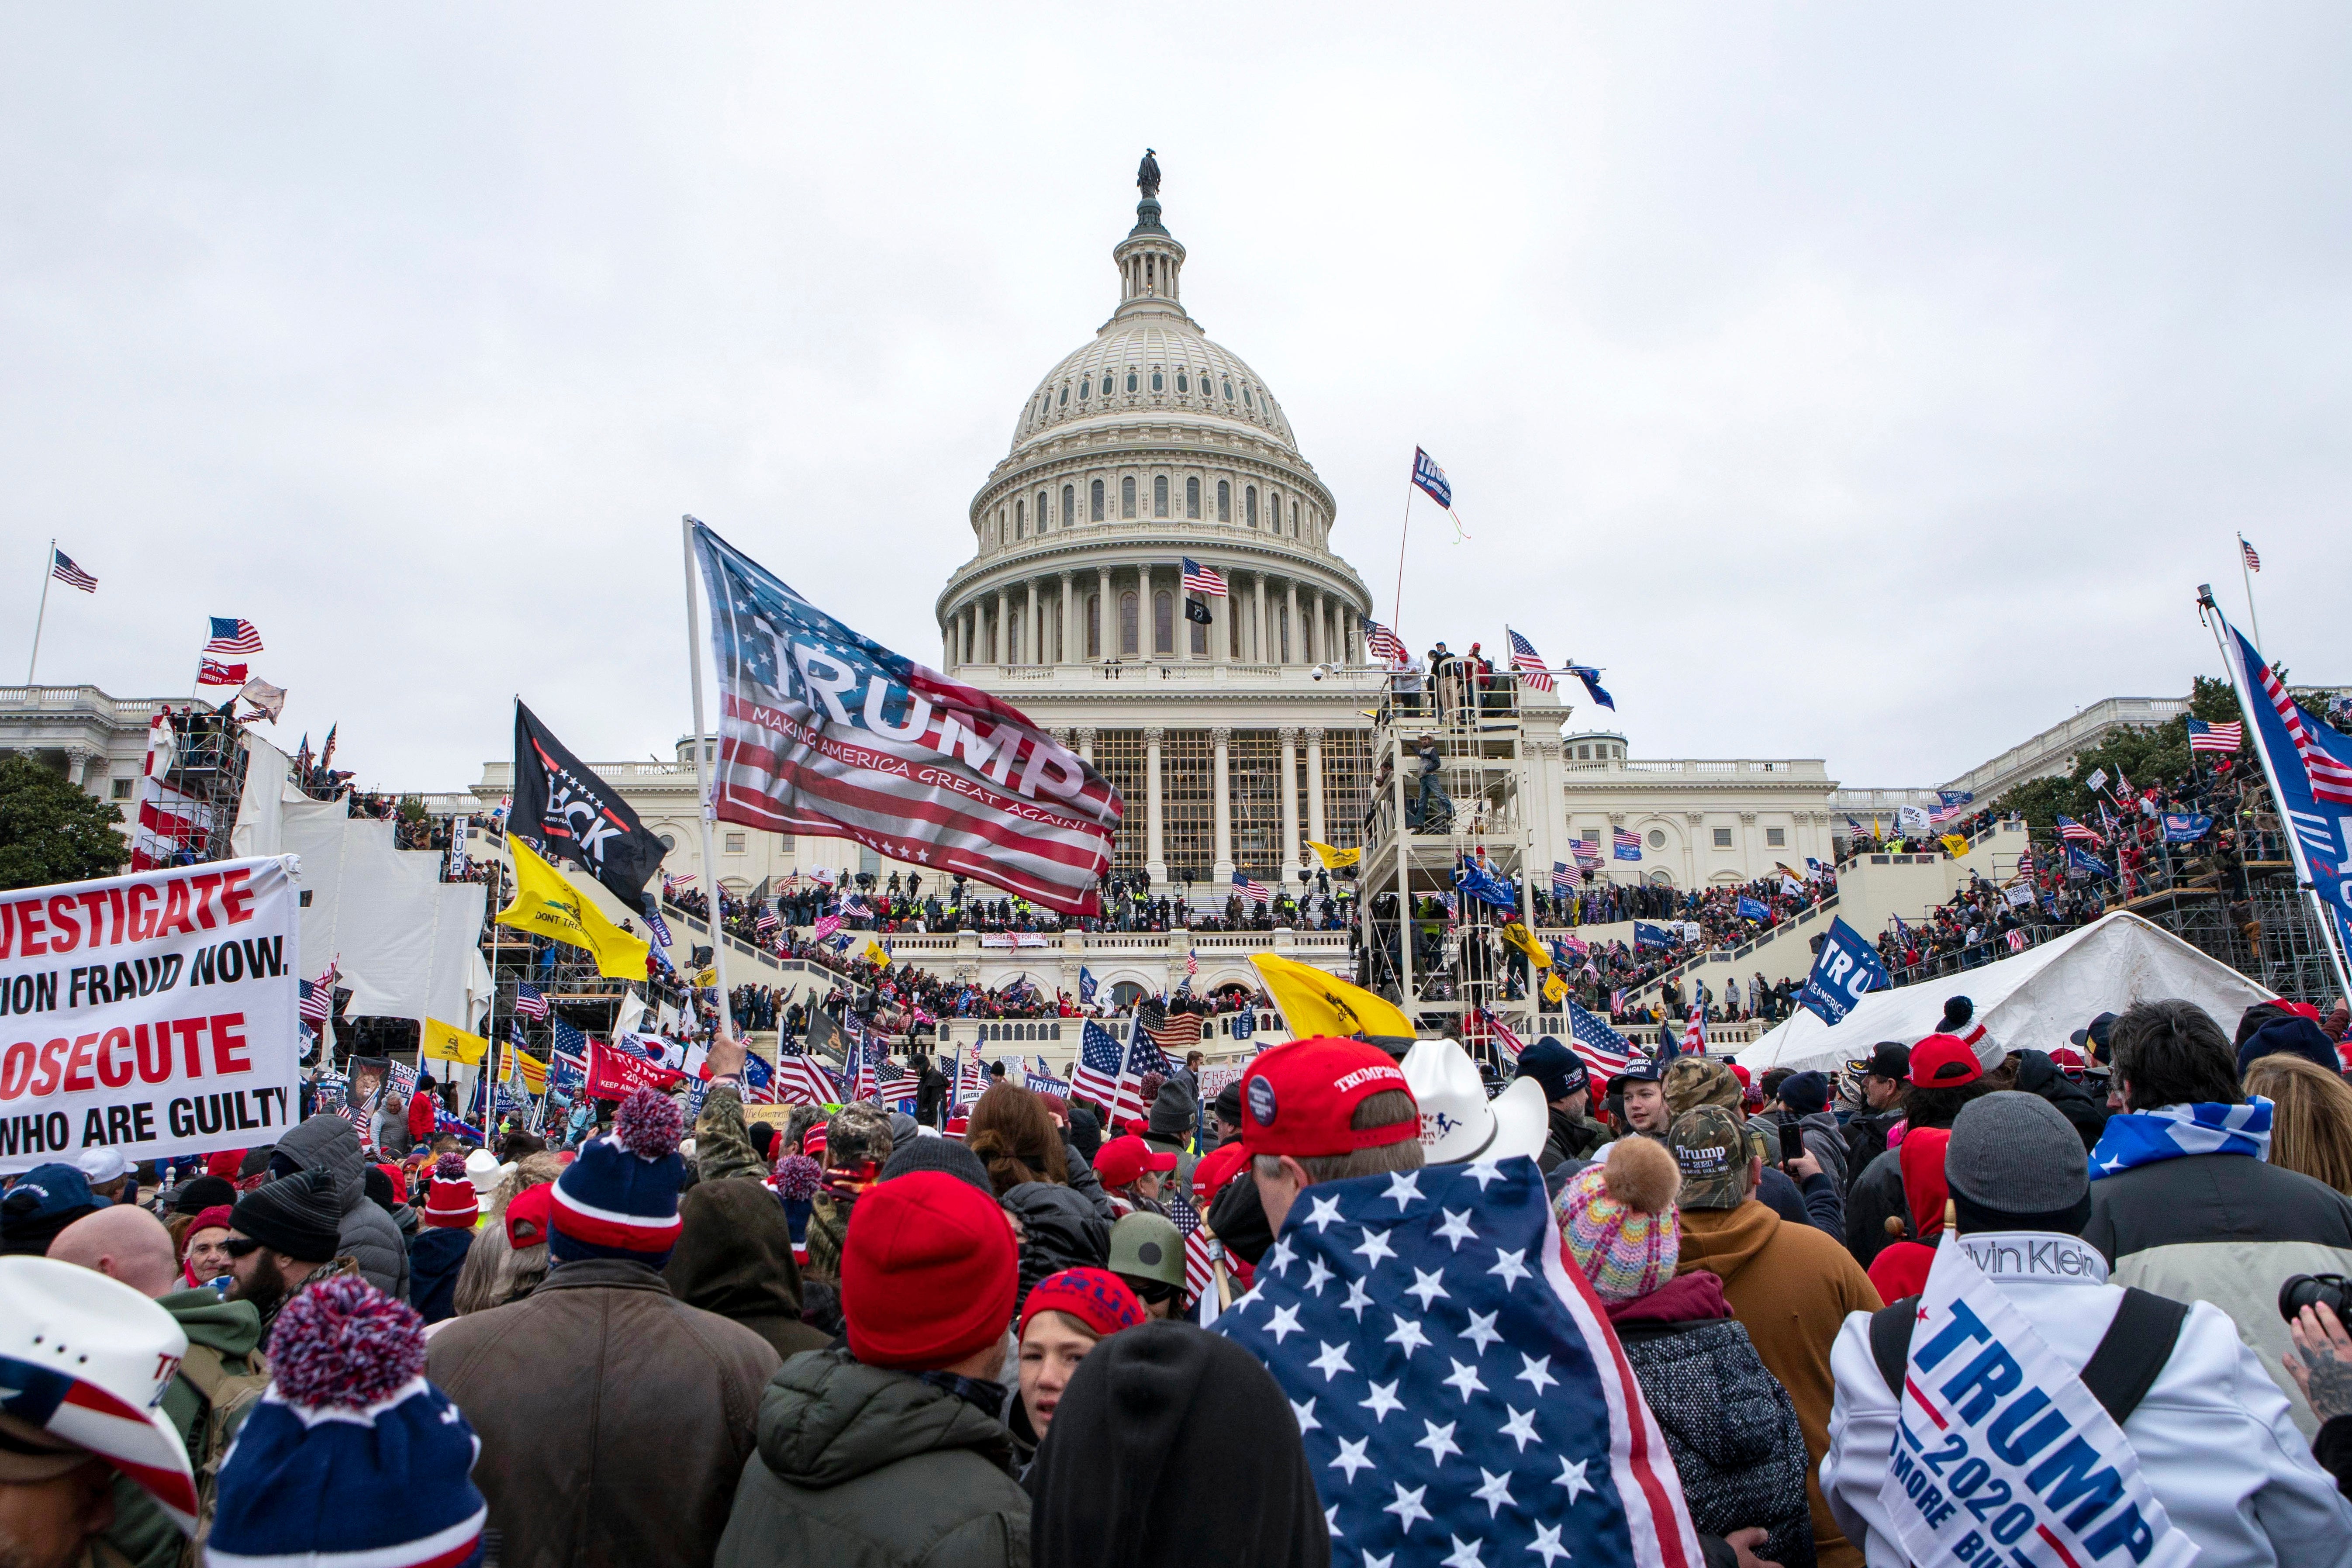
(946, 1155)
(2015, 1163)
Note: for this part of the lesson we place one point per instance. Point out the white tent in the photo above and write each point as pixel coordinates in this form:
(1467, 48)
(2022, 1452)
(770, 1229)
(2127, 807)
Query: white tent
(2036, 1000)
(408, 942)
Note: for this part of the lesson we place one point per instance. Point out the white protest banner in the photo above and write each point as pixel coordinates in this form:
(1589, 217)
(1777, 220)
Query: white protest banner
(2020, 896)
(152, 1014)
(2000, 1450)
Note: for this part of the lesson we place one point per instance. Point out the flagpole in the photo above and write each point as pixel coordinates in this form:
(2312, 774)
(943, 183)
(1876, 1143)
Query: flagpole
(2246, 575)
(1396, 609)
(50, 570)
(702, 780)
(2327, 929)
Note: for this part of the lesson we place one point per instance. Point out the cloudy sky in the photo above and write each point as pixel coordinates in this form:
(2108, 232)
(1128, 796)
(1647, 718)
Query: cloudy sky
(1850, 381)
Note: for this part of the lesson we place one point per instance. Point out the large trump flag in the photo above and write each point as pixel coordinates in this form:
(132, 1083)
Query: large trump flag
(825, 731)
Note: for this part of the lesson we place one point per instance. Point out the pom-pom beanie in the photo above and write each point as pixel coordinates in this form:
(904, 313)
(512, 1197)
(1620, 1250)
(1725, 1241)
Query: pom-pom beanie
(619, 1198)
(451, 1201)
(350, 1456)
(1618, 1221)
(928, 1273)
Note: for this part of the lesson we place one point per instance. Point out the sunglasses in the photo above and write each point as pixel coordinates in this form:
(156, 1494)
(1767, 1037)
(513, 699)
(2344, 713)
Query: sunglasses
(240, 1247)
(1149, 1292)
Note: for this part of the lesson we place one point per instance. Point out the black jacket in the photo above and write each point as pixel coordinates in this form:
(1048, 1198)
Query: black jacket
(1865, 1139)
(1060, 1229)
(1876, 1196)
(1085, 1129)
(1570, 1139)
(2037, 1074)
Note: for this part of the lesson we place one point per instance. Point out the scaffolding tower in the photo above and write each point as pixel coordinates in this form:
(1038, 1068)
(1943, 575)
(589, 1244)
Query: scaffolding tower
(1427, 944)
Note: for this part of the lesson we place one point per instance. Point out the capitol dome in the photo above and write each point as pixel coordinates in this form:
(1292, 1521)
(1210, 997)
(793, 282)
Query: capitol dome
(1147, 446)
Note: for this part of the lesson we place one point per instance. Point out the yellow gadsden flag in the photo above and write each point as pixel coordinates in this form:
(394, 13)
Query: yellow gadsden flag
(1555, 989)
(1313, 1002)
(1334, 859)
(449, 1043)
(1954, 845)
(1516, 935)
(874, 952)
(547, 904)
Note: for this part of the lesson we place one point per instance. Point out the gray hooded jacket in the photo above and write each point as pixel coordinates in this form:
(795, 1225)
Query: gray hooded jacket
(369, 1236)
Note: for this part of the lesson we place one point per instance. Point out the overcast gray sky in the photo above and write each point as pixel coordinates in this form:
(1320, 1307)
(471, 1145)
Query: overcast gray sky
(1867, 383)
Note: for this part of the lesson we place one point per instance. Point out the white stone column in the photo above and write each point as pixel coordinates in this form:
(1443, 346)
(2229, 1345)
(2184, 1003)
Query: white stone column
(1261, 647)
(1071, 644)
(1220, 740)
(1314, 787)
(1035, 639)
(1219, 633)
(996, 629)
(1183, 627)
(1107, 616)
(1156, 860)
(1321, 652)
(1087, 745)
(1298, 649)
(1289, 733)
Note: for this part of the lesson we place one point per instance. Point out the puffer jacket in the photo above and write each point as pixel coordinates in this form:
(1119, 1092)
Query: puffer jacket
(860, 1466)
(1728, 1423)
(1059, 1229)
(2038, 1075)
(368, 1236)
(1875, 1198)
(2214, 1439)
(615, 1419)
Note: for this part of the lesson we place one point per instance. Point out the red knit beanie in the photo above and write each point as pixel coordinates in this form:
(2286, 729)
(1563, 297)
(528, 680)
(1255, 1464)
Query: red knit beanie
(1096, 1298)
(928, 1273)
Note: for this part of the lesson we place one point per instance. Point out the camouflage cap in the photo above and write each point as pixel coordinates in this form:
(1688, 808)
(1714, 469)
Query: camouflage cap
(1711, 1147)
(1694, 1081)
(857, 1133)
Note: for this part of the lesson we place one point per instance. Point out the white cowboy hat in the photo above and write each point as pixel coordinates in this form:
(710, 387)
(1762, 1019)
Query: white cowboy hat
(482, 1169)
(1458, 1122)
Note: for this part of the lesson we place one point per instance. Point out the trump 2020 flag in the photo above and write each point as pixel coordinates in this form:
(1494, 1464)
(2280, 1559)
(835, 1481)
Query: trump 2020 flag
(825, 731)
(1999, 1445)
(1846, 969)
(1462, 1397)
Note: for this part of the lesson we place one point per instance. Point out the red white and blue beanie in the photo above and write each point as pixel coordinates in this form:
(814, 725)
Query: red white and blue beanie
(351, 1455)
(619, 1198)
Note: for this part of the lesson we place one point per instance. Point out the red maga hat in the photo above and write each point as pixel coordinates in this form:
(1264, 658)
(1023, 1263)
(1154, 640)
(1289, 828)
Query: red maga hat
(1299, 1098)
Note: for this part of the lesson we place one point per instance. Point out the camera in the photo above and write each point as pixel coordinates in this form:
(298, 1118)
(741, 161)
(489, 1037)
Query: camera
(2301, 1290)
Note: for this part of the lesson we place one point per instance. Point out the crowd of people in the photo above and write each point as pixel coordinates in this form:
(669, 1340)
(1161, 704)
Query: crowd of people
(849, 1334)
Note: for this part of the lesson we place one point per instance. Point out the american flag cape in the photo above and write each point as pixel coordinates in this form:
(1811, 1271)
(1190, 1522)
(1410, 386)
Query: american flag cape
(1527, 662)
(1436, 1299)
(825, 731)
(1094, 1077)
(1602, 1048)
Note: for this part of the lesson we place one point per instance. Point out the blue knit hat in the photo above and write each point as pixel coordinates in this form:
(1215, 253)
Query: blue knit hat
(350, 1454)
(619, 1198)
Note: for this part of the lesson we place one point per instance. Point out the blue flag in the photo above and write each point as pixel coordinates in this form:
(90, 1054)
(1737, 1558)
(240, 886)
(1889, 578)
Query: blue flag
(2083, 863)
(2186, 826)
(1845, 970)
(1430, 479)
(1086, 983)
(1483, 884)
(1647, 935)
(1593, 689)
(1749, 910)
(2321, 825)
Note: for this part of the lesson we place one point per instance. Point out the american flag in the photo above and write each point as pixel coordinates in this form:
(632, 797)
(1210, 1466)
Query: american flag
(1200, 1261)
(233, 636)
(759, 1080)
(1094, 1076)
(765, 920)
(213, 672)
(1200, 579)
(2204, 737)
(1250, 888)
(1586, 851)
(530, 1003)
(62, 567)
(1527, 662)
(1616, 1001)
(1603, 1049)
(894, 1082)
(1694, 1032)
(1485, 1026)
(2253, 562)
(1191, 963)
(2075, 832)
(2331, 780)
(1144, 1055)
(1459, 1260)
(2016, 940)
(319, 997)
(1384, 645)
(1629, 844)
(672, 884)
(802, 1079)
(570, 1073)
(1565, 878)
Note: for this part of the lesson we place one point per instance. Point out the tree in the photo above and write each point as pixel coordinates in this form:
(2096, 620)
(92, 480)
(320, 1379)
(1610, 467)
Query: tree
(2146, 754)
(50, 831)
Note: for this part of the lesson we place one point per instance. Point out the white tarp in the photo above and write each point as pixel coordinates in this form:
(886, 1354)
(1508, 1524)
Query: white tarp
(409, 945)
(2036, 1000)
(260, 827)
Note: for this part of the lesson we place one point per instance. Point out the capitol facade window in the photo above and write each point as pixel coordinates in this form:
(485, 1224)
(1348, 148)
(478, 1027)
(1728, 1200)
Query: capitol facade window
(1658, 838)
(1229, 392)
(1157, 384)
(1193, 499)
(1776, 838)
(1224, 500)
(1069, 506)
(1085, 387)
(1020, 520)
(1094, 626)
(1098, 500)
(1249, 505)
(1106, 384)
(1066, 394)
(1129, 630)
(1163, 622)
(1723, 838)
(1130, 381)
(1159, 495)
(1181, 383)
(1294, 520)
(1127, 498)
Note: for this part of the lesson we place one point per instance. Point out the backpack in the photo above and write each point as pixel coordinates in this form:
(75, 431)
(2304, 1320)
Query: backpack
(229, 1397)
(2121, 1370)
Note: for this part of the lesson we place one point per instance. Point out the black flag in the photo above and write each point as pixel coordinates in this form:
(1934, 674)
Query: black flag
(567, 813)
(1198, 613)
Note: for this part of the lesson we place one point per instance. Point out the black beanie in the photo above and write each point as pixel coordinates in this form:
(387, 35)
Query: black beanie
(379, 1188)
(946, 1155)
(204, 1193)
(295, 1215)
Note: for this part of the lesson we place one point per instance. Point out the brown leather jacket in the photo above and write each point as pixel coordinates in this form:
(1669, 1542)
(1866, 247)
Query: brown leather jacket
(615, 1419)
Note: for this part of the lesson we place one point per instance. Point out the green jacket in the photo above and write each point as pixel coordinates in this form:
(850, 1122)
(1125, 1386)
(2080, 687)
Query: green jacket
(231, 1330)
(722, 1143)
(860, 1466)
